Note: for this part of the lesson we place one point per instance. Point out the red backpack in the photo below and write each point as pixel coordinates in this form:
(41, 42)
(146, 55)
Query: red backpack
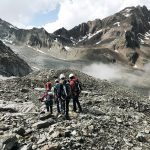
(48, 86)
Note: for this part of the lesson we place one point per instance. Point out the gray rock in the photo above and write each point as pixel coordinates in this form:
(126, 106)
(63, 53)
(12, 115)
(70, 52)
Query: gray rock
(45, 116)
(24, 90)
(141, 137)
(7, 109)
(51, 147)
(42, 139)
(9, 142)
(27, 147)
(4, 128)
(67, 133)
(20, 131)
(96, 111)
(1, 132)
(41, 124)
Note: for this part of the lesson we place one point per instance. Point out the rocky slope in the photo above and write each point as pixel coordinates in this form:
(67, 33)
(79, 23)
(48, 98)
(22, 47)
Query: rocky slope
(11, 64)
(114, 117)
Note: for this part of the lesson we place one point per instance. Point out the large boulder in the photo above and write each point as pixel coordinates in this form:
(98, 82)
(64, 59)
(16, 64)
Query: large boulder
(8, 142)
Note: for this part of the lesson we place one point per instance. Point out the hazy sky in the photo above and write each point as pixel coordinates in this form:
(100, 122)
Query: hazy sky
(54, 14)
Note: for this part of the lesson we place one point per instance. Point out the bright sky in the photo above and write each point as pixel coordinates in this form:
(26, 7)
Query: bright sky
(54, 14)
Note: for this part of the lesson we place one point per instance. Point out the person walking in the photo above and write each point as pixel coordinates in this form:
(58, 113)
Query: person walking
(65, 94)
(57, 98)
(76, 90)
(47, 97)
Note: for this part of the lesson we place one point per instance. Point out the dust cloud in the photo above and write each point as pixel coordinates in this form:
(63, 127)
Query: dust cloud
(131, 77)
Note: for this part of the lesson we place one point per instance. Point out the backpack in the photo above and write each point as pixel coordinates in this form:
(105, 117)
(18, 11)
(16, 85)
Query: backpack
(66, 90)
(77, 86)
(48, 86)
(57, 90)
(49, 96)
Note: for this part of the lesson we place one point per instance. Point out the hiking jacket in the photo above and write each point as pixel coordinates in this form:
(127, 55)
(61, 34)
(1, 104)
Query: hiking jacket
(46, 96)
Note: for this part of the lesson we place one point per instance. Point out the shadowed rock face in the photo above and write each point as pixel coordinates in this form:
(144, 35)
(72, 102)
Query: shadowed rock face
(11, 64)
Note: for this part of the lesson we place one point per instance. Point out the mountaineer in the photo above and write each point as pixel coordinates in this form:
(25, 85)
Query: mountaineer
(64, 94)
(47, 97)
(76, 90)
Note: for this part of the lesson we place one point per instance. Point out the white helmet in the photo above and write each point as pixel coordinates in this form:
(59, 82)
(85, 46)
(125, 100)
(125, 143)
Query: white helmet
(71, 75)
(56, 80)
(62, 76)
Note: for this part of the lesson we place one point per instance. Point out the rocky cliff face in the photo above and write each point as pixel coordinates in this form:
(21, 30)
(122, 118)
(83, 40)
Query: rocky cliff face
(121, 35)
(122, 32)
(11, 64)
(37, 38)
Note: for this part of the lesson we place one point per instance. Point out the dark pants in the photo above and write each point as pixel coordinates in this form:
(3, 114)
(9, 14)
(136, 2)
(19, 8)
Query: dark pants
(49, 106)
(76, 101)
(58, 102)
(65, 106)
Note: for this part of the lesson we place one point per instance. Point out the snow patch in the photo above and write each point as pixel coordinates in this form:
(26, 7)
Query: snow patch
(67, 48)
(91, 35)
(135, 66)
(98, 42)
(36, 49)
(127, 15)
(126, 12)
(11, 26)
(6, 41)
(40, 51)
(116, 51)
(83, 38)
(117, 23)
(142, 41)
(35, 68)
(56, 40)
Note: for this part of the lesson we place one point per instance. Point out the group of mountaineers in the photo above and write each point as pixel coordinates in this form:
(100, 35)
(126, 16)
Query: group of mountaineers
(61, 93)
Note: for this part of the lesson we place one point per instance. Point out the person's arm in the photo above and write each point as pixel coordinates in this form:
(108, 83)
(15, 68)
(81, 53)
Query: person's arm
(42, 98)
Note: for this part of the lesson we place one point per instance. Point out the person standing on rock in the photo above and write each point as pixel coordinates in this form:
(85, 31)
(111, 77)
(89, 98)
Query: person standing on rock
(48, 97)
(65, 94)
(76, 90)
(56, 90)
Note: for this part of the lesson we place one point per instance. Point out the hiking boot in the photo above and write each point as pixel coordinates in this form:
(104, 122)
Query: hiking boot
(67, 118)
(79, 111)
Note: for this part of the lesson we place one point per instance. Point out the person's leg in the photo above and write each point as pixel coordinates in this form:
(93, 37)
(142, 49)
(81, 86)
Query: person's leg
(78, 103)
(67, 109)
(47, 106)
(62, 106)
(58, 105)
(74, 103)
(51, 108)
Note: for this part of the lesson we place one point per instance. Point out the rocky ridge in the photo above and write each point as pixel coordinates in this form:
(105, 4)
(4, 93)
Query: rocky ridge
(122, 37)
(11, 64)
(114, 117)
(119, 36)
